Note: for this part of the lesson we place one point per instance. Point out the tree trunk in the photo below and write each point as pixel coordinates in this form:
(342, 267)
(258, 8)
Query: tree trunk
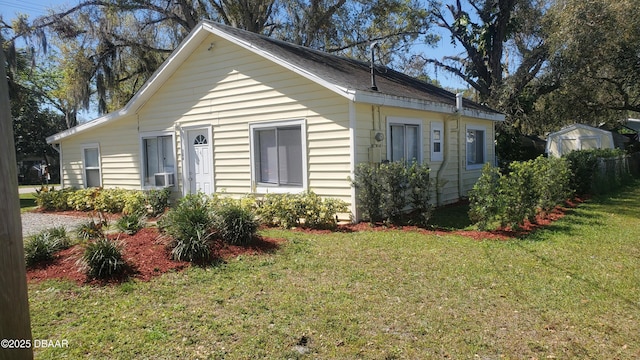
(14, 304)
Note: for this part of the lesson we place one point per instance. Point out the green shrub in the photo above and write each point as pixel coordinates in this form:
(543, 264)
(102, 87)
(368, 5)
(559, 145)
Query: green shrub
(389, 191)
(157, 201)
(307, 208)
(319, 213)
(91, 230)
(486, 203)
(48, 198)
(103, 259)
(235, 224)
(130, 223)
(584, 165)
(368, 191)
(553, 181)
(189, 227)
(39, 248)
(520, 194)
(42, 246)
(110, 200)
(282, 210)
(528, 188)
(135, 203)
(420, 186)
(393, 178)
(83, 199)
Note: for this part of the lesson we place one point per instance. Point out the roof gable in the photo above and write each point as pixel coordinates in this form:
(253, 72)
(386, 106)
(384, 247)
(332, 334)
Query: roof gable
(347, 77)
(573, 127)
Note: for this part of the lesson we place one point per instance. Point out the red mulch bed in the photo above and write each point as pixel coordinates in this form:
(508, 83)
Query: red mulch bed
(499, 234)
(147, 256)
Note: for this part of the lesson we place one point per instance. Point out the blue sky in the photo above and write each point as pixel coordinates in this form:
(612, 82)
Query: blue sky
(34, 8)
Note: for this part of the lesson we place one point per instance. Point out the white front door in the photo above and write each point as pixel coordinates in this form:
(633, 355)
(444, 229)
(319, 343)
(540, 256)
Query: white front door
(200, 172)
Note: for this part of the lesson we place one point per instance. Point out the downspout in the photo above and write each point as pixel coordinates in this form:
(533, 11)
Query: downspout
(445, 163)
(353, 159)
(58, 149)
(446, 150)
(460, 141)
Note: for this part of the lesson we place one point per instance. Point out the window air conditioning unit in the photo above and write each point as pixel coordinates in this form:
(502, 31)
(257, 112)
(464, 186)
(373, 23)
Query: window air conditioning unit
(164, 179)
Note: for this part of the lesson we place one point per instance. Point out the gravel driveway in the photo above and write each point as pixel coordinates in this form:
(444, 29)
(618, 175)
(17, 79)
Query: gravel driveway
(33, 223)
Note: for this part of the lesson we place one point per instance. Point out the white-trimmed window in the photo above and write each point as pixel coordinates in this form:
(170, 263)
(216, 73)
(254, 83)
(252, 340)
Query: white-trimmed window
(278, 156)
(404, 140)
(476, 140)
(437, 140)
(92, 175)
(158, 160)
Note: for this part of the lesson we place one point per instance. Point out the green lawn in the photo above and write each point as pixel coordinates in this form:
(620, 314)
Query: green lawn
(569, 291)
(28, 202)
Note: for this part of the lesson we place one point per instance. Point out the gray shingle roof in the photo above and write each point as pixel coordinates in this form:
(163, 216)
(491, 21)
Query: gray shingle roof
(349, 73)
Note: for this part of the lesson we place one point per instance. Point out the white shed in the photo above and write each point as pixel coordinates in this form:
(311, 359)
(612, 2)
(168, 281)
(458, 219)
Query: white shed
(578, 137)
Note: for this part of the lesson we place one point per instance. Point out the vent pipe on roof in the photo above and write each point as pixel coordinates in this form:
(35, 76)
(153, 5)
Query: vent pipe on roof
(459, 102)
(373, 45)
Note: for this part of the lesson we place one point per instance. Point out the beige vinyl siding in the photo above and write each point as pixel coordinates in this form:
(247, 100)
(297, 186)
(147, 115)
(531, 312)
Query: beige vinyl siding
(367, 118)
(229, 88)
(119, 153)
(449, 191)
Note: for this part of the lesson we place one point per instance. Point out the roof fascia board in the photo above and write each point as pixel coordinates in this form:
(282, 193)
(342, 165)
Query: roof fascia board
(146, 91)
(578, 126)
(417, 104)
(86, 126)
(168, 67)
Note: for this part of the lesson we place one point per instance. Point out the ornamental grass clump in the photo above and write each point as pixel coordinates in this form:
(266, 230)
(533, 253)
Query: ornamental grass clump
(103, 259)
(39, 248)
(189, 228)
(130, 223)
(42, 246)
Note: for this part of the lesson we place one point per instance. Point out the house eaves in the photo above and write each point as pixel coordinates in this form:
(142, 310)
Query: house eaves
(159, 77)
(424, 105)
(343, 76)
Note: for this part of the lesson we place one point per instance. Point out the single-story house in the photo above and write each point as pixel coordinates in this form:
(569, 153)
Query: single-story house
(578, 137)
(239, 112)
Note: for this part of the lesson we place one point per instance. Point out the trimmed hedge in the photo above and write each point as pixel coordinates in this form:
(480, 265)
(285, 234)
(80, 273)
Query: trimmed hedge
(306, 209)
(528, 188)
(394, 192)
(151, 203)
